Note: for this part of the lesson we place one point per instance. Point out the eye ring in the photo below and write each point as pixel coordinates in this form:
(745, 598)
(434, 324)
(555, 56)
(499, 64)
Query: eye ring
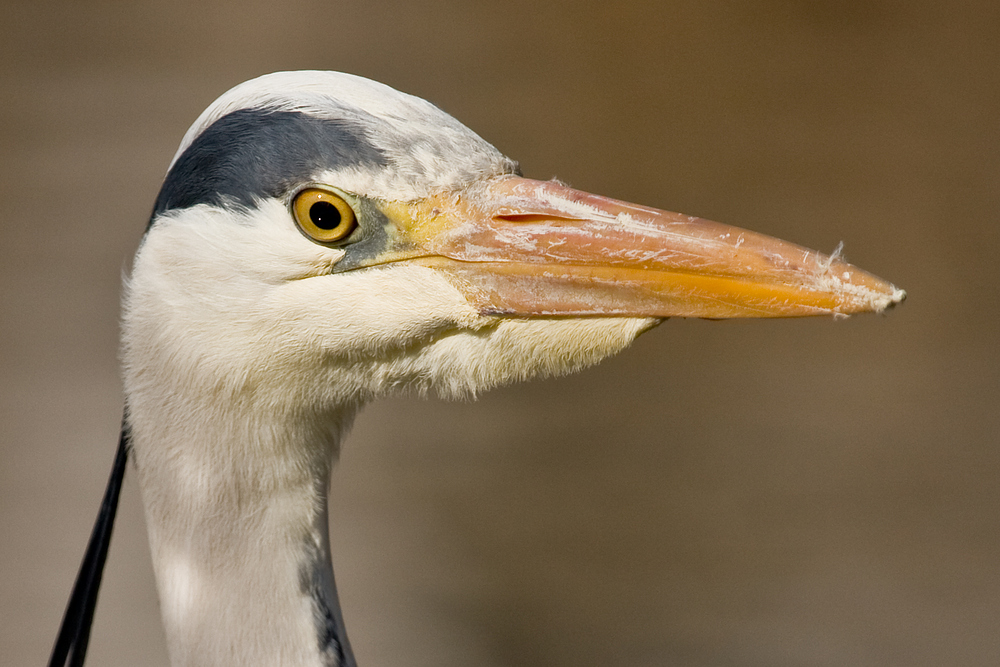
(323, 216)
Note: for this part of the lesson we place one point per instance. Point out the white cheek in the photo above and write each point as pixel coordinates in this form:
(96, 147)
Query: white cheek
(220, 306)
(370, 310)
(191, 314)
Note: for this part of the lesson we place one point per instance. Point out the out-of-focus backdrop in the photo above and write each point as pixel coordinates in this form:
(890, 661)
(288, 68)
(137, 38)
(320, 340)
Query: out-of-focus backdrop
(786, 493)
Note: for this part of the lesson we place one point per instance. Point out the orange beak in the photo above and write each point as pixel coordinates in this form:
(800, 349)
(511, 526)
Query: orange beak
(521, 247)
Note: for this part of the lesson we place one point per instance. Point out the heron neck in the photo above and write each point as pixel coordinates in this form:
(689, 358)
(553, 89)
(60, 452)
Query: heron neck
(236, 509)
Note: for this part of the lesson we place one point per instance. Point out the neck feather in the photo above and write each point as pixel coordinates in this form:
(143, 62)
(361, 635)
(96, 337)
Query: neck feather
(236, 507)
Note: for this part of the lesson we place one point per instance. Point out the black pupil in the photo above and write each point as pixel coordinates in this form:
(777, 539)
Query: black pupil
(324, 215)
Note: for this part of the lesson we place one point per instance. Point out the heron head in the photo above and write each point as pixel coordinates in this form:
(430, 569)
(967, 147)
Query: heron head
(321, 237)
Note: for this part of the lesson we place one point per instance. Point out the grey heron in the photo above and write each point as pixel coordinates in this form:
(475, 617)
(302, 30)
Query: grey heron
(321, 240)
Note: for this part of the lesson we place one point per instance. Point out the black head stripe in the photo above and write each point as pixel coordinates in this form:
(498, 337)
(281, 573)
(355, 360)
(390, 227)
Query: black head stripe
(252, 154)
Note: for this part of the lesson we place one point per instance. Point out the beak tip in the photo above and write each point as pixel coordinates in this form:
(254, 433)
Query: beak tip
(880, 300)
(858, 291)
(897, 297)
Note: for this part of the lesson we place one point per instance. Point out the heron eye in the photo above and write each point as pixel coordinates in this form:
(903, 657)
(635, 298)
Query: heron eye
(323, 216)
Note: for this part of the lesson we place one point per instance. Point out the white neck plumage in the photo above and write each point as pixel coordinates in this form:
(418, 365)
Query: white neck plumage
(237, 514)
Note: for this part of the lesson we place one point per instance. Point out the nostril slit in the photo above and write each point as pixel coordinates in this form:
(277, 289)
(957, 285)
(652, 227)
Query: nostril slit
(533, 217)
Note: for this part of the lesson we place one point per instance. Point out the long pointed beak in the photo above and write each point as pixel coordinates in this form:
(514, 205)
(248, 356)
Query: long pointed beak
(522, 247)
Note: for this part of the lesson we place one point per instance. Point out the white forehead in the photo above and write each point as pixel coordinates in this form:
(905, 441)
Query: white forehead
(428, 149)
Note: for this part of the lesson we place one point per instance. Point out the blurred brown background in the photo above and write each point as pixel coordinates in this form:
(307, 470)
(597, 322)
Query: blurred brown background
(800, 493)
